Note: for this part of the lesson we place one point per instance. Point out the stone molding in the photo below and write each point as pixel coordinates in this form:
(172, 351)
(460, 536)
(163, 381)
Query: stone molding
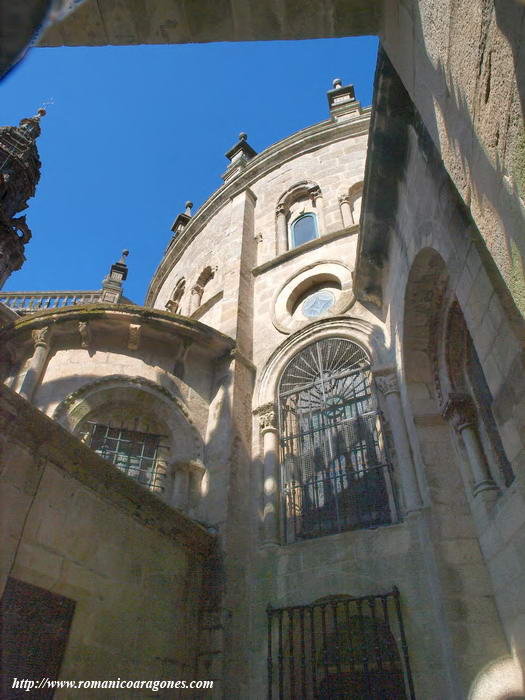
(297, 284)
(311, 245)
(67, 404)
(152, 321)
(460, 411)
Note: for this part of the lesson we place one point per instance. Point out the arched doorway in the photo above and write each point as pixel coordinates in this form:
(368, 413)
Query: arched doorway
(470, 630)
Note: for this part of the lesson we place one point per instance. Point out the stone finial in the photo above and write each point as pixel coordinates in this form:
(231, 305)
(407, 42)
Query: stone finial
(112, 284)
(182, 219)
(240, 154)
(341, 101)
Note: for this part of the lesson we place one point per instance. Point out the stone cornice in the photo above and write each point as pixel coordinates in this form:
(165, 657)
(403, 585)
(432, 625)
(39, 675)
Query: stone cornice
(309, 139)
(27, 426)
(311, 245)
(148, 319)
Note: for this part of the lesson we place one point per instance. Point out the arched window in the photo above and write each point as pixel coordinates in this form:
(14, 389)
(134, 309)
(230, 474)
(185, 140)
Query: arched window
(303, 229)
(335, 475)
(175, 302)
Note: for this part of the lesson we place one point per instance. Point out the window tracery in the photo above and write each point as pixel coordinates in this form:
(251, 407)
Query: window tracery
(335, 475)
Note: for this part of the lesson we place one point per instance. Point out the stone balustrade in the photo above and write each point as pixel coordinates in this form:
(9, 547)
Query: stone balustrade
(31, 302)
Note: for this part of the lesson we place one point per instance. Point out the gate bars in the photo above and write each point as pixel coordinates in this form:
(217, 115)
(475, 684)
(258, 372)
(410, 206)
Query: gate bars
(340, 648)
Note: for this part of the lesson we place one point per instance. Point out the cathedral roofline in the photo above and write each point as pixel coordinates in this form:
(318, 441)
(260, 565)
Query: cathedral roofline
(309, 139)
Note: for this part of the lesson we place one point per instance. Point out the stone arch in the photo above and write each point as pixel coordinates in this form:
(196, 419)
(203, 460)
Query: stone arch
(174, 303)
(350, 204)
(137, 403)
(367, 335)
(462, 578)
(199, 288)
(302, 199)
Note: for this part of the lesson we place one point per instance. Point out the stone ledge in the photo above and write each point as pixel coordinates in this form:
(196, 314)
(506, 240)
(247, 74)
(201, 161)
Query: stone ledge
(22, 423)
(220, 343)
(306, 247)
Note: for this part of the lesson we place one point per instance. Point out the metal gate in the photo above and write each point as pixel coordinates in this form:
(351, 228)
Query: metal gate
(334, 471)
(341, 648)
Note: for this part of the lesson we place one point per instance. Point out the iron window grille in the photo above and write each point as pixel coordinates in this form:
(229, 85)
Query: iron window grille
(335, 475)
(139, 455)
(341, 648)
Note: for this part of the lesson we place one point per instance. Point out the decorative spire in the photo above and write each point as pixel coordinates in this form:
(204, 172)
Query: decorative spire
(19, 175)
(112, 284)
(30, 126)
(182, 219)
(341, 100)
(238, 155)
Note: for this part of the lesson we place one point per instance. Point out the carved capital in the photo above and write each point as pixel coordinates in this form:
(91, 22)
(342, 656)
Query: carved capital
(267, 414)
(344, 199)
(281, 209)
(41, 337)
(460, 411)
(85, 334)
(314, 193)
(387, 384)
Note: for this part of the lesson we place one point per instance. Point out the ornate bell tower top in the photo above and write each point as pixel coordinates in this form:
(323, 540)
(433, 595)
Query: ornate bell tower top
(19, 175)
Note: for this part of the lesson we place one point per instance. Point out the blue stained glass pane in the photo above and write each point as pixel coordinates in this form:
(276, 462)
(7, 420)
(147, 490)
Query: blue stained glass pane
(318, 303)
(303, 230)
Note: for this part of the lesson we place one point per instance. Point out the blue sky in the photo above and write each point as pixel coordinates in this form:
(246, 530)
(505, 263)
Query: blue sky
(134, 132)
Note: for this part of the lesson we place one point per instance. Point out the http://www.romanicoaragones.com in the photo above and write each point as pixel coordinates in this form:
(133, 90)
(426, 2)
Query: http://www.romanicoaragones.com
(117, 684)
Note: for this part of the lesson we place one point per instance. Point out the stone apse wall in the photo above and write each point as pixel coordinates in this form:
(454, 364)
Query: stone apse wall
(461, 62)
(76, 527)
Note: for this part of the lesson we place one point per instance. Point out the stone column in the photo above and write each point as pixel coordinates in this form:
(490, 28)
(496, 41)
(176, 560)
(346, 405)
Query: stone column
(195, 299)
(269, 433)
(33, 376)
(316, 197)
(346, 210)
(282, 230)
(181, 486)
(461, 413)
(388, 385)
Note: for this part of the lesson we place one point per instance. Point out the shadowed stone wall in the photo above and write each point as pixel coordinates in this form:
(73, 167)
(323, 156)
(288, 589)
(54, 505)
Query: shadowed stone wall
(76, 526)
